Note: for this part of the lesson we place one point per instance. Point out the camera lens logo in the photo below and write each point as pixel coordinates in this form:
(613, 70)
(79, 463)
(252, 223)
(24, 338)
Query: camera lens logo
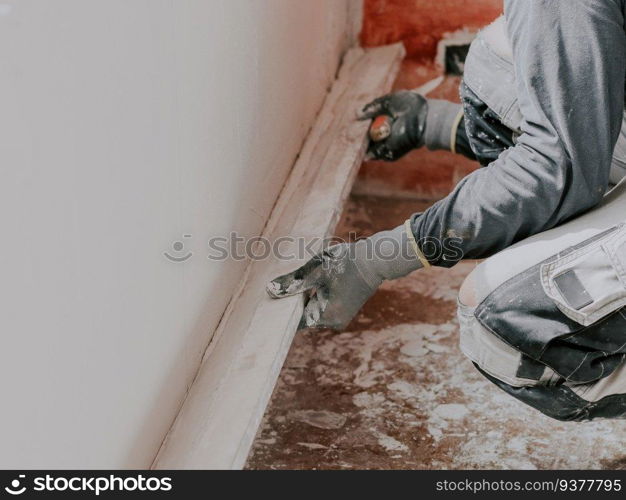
(178, 248)
(15, 489)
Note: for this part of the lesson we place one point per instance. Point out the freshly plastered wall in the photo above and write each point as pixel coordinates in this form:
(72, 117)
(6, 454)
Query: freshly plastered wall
(126, 125)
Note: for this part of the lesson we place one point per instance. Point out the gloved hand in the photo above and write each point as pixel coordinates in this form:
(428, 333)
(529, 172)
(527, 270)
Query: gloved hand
(408, 111)
(343, 277)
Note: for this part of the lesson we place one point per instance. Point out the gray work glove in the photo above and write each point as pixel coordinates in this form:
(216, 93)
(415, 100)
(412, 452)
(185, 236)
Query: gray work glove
(415, 122)
(343, 277)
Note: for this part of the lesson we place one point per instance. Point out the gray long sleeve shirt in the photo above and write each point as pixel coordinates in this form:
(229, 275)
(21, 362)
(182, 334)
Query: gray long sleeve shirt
(570, 68)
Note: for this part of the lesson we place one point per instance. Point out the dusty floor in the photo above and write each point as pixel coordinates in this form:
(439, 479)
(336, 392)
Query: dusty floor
(395, 392)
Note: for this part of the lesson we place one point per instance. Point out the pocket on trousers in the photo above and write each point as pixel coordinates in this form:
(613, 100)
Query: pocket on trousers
(567, 312)
(589, 283)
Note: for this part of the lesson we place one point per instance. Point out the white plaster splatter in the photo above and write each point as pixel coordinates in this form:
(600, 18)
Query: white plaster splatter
(320, 418)
(389, 443)
(313, 446)
(436, 348)
(516, 444)
(451, 411)
(404, 390)
(368, 400)
(435, 432)
(414, 348)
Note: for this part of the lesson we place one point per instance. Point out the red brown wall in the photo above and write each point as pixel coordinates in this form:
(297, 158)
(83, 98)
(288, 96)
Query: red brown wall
(420, 25)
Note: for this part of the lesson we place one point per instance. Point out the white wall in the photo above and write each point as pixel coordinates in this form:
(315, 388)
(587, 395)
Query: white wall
(125, 124)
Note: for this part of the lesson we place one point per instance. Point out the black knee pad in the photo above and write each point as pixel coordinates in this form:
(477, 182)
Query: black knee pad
(562, 403)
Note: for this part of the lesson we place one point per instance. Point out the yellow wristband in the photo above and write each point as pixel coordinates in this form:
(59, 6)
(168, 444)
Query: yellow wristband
(416, 249)
(455, 127)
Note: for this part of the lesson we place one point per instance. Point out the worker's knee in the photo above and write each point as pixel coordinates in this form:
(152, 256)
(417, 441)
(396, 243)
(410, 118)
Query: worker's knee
(551, 334)
(467, 293)
(545, 320)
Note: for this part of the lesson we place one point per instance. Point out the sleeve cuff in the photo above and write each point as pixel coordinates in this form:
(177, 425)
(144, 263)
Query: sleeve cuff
(442, 121)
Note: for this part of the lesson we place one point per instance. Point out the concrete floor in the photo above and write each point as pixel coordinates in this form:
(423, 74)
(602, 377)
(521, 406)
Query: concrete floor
(394, 392)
